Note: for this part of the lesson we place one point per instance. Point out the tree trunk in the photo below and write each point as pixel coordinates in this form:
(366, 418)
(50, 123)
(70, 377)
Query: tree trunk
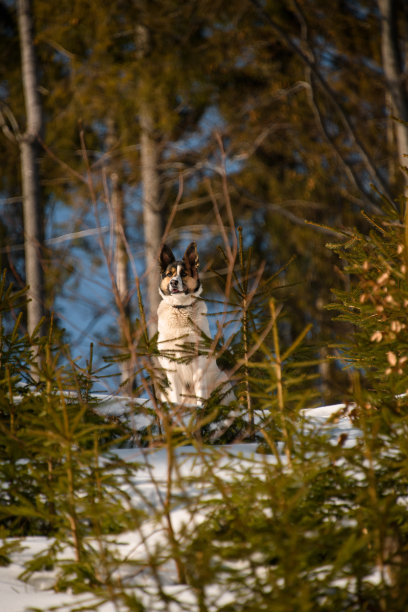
(153, 221)
(152, 210)
(394, 76)
(30, 150)
(121, 258)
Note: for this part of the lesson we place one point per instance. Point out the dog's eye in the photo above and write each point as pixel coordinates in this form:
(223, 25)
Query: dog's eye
(169, 274)
(183, 273)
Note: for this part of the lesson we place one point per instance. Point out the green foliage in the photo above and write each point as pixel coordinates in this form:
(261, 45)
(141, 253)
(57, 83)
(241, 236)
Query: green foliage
(314, 521)
(53, 481)
(377, 309)
(269, 380)
(330, 533)
(325, 527)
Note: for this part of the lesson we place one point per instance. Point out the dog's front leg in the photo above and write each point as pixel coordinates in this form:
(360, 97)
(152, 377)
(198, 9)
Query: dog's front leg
(171, 393)
(200, 380)
(173, 390)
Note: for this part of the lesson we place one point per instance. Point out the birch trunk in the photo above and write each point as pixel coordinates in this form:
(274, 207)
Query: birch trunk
(120, 257)
(153, 222)
(394, 76)
(30, 150)
(121, 261)
(152, 210)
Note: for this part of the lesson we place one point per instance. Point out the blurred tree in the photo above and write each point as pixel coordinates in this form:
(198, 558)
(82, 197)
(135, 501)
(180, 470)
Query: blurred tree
(11, 230)
(147, 66)
(29, 142)
(394, 23)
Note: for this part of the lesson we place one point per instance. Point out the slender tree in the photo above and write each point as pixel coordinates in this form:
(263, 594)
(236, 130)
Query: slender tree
(394, 71)
(30, 148)
(121, 257)
(153, 221)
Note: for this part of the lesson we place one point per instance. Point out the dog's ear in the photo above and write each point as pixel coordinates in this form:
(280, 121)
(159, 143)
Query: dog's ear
(166, 257)
(191, 259)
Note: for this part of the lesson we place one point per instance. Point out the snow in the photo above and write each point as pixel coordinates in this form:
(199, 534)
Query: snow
(36, 593)
(18, 596)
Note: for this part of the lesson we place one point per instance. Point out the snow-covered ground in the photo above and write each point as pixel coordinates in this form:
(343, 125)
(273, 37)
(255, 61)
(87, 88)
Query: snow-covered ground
(37, 593)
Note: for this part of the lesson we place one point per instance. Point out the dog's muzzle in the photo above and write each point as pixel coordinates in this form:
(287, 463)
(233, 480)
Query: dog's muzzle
(176, 285)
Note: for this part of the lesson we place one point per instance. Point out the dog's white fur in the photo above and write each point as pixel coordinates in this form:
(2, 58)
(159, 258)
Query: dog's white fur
(192, 376)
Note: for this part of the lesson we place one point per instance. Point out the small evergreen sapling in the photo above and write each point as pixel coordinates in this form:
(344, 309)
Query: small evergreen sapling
(377, 308)
(58, 478)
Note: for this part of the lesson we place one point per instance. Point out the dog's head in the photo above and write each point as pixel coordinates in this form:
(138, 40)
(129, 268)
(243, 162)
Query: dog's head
(179, 277)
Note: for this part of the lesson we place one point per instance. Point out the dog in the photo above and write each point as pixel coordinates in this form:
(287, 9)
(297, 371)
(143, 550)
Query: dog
(192, 374)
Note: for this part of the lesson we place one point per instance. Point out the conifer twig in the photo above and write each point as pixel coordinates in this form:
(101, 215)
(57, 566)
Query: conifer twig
(279, 383)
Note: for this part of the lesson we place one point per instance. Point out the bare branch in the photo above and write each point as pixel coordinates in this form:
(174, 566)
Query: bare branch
(349, 170)
(331, 96)
(61, 163)
(8, 123)
(59, 48)
(174, 209)
(58, 239)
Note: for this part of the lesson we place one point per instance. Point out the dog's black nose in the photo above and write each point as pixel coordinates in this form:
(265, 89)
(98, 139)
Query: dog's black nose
(174, 282)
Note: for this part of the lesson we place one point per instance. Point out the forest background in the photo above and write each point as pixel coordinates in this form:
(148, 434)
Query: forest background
(275, 135)
(177, 121)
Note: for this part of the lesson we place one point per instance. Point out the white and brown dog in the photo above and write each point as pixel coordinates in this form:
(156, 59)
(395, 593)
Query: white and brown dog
(192, 374)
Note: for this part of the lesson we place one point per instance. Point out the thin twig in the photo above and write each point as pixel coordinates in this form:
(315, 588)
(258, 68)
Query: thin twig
(174, 209)
(331, 95)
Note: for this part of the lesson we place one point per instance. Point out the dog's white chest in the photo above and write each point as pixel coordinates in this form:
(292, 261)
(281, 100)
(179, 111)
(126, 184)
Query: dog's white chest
(181, 351)
(175, 324)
